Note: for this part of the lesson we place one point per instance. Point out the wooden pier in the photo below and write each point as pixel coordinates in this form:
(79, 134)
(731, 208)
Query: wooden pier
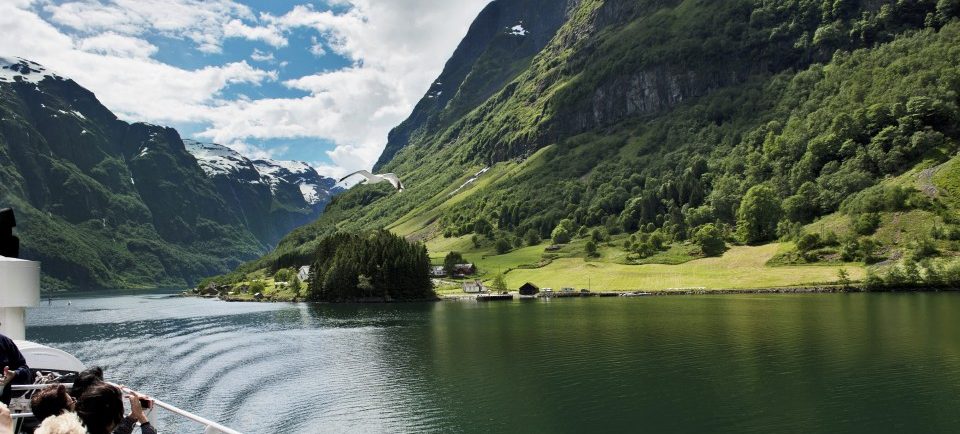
(494, 297)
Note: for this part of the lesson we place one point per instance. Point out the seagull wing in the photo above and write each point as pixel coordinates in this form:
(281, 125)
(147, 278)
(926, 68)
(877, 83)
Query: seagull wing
(393, 179)
(363, 173)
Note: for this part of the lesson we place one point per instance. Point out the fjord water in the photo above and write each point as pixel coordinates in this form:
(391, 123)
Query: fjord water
(848, 363)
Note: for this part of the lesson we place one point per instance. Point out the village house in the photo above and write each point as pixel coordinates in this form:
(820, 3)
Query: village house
(474, 287)
(437, 271)
(529, 289)
(304, 273)
(461, 270)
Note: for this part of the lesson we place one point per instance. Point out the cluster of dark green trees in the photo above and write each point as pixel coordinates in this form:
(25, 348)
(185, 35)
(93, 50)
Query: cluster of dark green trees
(376, 264)
(915, 274)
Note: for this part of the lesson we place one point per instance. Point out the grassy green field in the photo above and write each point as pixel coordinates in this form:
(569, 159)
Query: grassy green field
(742, 267)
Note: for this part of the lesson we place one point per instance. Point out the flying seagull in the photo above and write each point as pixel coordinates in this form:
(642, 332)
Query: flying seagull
(373, 179)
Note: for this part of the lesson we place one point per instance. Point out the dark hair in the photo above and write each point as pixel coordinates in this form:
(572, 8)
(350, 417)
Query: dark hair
(101, 408)
(51, 401)
(88, 377)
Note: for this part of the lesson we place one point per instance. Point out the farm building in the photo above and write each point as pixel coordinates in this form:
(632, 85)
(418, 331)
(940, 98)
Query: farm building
(474, 287)
(461, 270)
(529, 289)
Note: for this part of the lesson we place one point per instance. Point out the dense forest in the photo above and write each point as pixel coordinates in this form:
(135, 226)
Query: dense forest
(374, 265)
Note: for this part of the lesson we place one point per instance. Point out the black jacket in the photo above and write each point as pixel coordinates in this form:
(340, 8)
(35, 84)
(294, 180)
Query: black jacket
(10, 356)
(126, 427)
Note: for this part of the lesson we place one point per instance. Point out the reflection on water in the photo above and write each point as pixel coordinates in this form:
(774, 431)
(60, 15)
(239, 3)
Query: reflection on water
(812, 363)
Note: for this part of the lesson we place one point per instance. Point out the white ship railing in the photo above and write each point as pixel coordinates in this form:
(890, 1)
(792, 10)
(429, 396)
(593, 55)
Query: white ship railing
(210, 427)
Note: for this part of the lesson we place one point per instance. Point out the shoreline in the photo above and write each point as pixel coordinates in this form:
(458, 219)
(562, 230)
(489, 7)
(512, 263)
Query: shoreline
(818, 289)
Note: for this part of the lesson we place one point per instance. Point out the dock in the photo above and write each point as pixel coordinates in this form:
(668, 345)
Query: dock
(494, 297)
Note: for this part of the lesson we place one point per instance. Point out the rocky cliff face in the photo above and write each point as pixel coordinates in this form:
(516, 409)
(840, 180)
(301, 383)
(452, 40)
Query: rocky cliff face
(640, 93)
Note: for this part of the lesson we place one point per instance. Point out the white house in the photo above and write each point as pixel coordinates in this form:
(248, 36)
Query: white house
(304, 273)
(473, 287)
(437, 271)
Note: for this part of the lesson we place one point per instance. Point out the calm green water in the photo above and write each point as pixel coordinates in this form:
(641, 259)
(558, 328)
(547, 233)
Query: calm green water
(863, 363)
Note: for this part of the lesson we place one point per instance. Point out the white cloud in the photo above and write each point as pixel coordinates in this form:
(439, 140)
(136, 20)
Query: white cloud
(261, 56)
(316, 47)
(205, 22)
(335, 172)
(255, 152)
(268, 35)
(117, 45)
(397, 48)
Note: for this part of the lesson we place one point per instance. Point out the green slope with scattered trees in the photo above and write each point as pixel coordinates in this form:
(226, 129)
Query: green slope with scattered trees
(675, 129)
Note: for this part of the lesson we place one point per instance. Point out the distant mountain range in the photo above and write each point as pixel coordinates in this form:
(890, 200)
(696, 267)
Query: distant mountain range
(272, 196)
(106, 203)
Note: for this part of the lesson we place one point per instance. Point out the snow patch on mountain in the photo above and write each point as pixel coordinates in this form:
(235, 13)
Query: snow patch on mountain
(472, 179)
(216, 159)
(518, 30)
(311, 193)
(275, 173)
(275, 167)
(14, 69)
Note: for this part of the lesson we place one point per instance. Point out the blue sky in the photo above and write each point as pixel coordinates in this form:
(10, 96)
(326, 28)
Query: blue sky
(319, 81)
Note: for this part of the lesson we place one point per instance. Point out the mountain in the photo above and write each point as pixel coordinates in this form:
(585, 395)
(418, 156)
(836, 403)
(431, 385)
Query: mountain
(106, 203)
(272, 197)
(826, 129)
(500, 44)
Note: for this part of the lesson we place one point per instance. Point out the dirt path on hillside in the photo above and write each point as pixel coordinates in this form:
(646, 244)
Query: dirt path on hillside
(925, 179)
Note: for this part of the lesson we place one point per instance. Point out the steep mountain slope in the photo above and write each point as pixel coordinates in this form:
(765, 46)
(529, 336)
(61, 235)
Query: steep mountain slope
(105, 203)
(499, 45)
(654, 120)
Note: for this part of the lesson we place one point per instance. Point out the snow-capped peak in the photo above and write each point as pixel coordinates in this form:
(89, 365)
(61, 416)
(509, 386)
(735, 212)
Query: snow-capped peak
(219, 160)
(216, 159)
(273, 167)
(13, 69)
(276, 172)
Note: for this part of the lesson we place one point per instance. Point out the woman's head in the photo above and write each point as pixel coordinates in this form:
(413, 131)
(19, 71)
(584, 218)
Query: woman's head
(101, 408)
(51, 401)
(85, 379)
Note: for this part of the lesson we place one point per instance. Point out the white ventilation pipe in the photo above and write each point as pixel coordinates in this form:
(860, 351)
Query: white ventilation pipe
(19, 289)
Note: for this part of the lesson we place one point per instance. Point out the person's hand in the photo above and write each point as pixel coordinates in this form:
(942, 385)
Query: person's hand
(7, 376)
(6, 421)
(136, 410)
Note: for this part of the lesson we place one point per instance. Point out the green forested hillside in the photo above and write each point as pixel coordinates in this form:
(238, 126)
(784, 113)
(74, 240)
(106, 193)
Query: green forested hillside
(830, 127)
(103, 203)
